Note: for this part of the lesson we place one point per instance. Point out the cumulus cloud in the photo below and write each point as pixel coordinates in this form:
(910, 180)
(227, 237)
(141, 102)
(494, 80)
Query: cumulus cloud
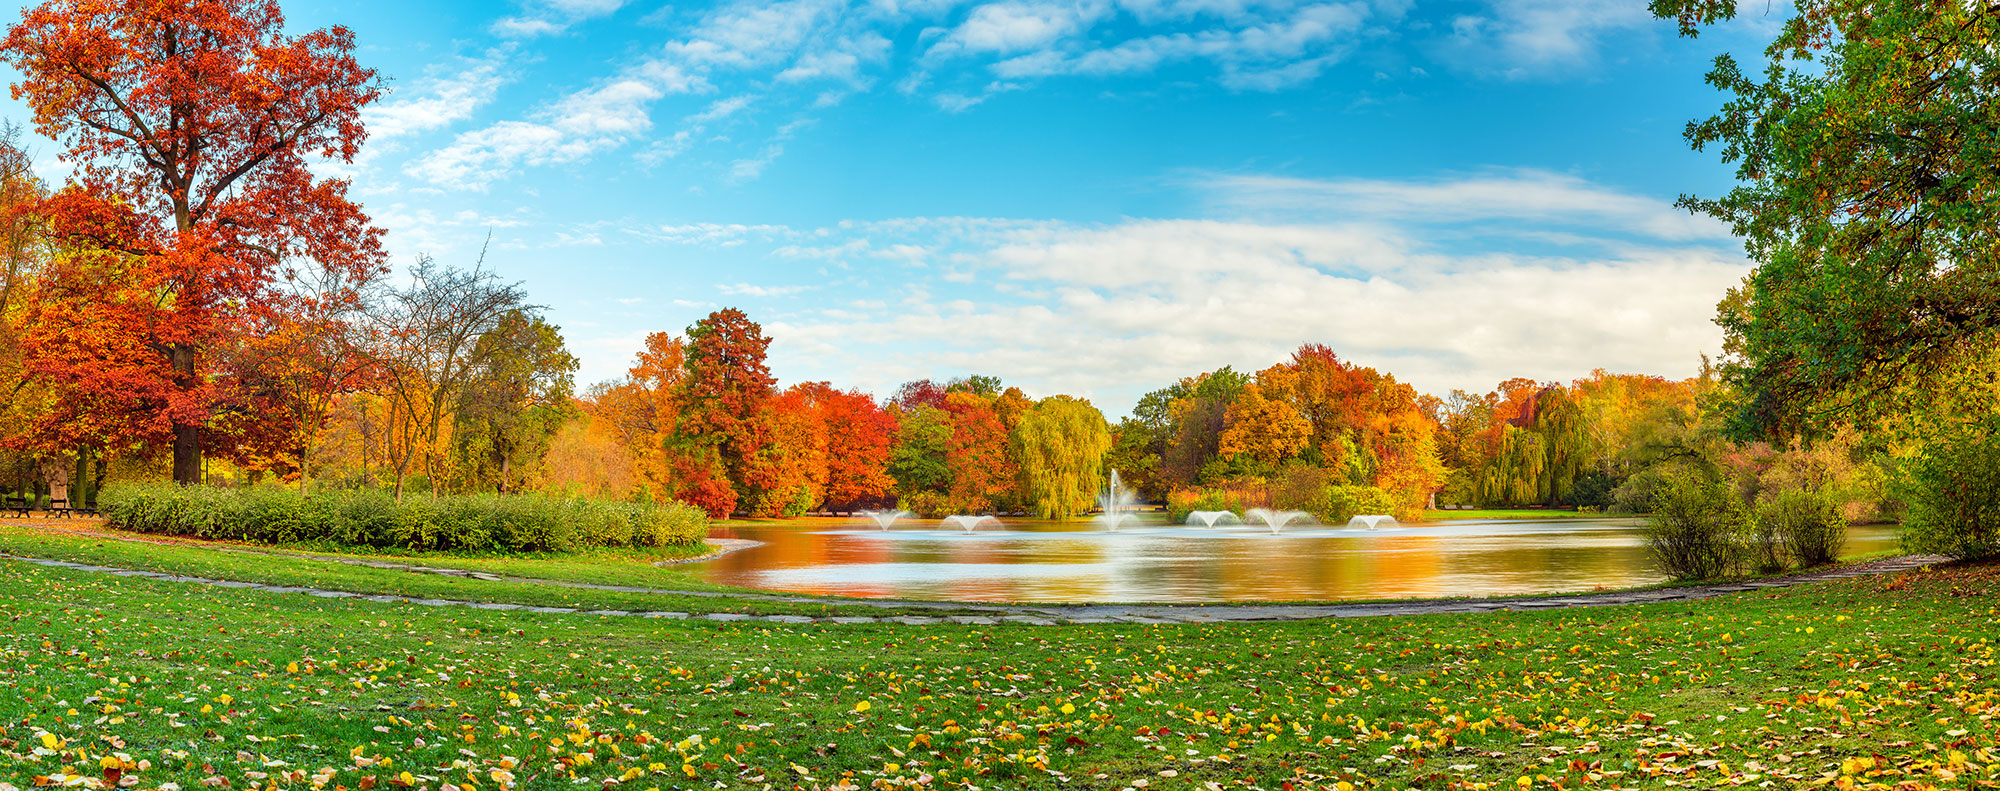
(1516, 194)
(748, 290)
(548, 17)
(441, 99)
(1111, 310)
(1528, 38)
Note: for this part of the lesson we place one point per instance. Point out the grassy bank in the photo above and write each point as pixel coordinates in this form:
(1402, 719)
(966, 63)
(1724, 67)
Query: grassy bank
(1884, 682)
(1514, 513)
(271, 566)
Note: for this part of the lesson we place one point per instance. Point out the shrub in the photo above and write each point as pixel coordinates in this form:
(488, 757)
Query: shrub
(1696, 526)
(1952, 500)
(937, 505)
(668, 525)
(1811, 525)
(1187, 501)
(1341, 503)
(476, 523)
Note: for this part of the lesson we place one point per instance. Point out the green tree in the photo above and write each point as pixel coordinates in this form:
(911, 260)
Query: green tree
(1865, 154)
(1061, 444)
(917, 461)
(517, 400)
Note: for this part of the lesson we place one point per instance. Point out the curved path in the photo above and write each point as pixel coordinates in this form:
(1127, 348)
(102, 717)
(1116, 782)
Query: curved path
(1042, 615)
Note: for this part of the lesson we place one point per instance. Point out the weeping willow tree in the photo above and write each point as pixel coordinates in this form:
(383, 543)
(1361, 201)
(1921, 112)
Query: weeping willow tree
(1514, 474)
(1567, 443)
(1060, 444)
(1540, 462)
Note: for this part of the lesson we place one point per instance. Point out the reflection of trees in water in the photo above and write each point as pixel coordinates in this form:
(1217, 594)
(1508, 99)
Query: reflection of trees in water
(1028, 564)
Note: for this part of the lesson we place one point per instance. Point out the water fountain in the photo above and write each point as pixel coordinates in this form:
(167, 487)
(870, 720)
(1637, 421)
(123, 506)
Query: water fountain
(1117, 504)
(969, 523)
(1211, 518)
(1277, 520)
(885, 517)
(1372, 521)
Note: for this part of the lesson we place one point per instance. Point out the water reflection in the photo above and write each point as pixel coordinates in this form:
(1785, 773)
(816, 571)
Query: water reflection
(1072, 562)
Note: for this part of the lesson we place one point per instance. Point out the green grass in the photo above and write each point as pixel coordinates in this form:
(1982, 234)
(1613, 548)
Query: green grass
(1890, 680)
(278, 567)
(1515, 513)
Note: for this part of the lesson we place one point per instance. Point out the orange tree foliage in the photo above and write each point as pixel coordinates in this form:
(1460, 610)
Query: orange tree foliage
(190, 123)
(724, 420)
(859, 435)
(1268, 431)
(982, 472)
(788, 475)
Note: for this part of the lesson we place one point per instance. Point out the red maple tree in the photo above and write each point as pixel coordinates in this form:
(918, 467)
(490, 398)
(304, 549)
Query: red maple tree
(190, 124)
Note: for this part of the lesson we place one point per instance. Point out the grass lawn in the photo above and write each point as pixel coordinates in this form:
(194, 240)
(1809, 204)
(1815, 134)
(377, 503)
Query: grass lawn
(280, 567)
(1883, 682)
(1514, 513)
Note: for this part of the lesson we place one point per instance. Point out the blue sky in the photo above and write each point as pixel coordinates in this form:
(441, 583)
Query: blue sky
(1090, 197)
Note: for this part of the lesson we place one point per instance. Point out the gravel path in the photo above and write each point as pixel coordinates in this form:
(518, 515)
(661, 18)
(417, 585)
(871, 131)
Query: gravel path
(1044, 615)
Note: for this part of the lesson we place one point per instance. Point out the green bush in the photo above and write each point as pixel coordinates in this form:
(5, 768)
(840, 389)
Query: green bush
(1697, 527)
(1953, 497)
(1340, 503)
(1810, 525)
(471, 523)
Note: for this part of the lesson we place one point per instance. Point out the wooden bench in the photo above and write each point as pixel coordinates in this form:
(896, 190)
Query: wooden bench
(57, 508)
(17, 506)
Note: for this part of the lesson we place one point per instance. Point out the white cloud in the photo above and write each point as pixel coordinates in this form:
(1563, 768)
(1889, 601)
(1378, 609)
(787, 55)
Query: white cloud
(1011, 26)
(749, 168)
(722, 108)
(1524, 38)
(548, 17)
(1110, 310)
(711, 234)
(576, 126)
(748, 290)
(437, 102)
(1520, 194)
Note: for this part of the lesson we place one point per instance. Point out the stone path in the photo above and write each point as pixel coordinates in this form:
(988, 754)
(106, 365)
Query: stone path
(1040, 615)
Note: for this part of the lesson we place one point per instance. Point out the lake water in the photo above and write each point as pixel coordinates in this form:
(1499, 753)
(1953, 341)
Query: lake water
(1033, 561)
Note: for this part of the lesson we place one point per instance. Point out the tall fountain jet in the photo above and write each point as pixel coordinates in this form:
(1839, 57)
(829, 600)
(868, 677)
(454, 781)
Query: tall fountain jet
(1117, 504)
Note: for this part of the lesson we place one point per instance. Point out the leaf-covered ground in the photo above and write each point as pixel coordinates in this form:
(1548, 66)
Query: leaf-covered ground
(1883, 682)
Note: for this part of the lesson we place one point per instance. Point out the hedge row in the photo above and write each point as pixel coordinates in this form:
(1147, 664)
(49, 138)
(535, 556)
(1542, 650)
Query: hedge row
(477, 523)
(1330, 505)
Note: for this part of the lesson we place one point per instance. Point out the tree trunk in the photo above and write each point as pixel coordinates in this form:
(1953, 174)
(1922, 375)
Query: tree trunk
(187, 438)
(80, 489)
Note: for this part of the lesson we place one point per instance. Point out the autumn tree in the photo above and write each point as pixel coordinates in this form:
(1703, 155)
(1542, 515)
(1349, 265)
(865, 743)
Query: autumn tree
(789, 474)
(1061, 443)
(860, 435)
(1266, 430)
(191, 124)
(722, 406)
(976, 451)
(584, 460)
(426, 338)
(1198, 418)
(1864, 143)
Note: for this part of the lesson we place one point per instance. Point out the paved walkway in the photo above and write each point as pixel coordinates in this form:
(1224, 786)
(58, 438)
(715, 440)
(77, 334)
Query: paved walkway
(1041, 615)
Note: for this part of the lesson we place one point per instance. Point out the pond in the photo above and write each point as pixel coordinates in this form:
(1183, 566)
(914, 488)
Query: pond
(1024, 560)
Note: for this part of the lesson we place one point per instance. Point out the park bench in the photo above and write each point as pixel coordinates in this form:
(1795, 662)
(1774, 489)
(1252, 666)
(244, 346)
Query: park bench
(57, 508)
(17, 506)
